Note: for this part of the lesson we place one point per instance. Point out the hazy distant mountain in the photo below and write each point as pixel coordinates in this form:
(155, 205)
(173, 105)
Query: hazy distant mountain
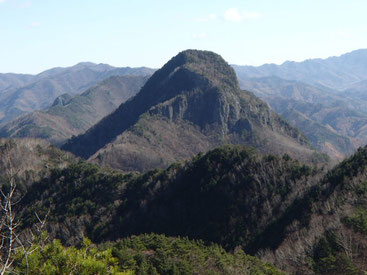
(70, 116)
(39, 91)
(11, 80)
(358, 93)
(334, 72)
(191, 105)
(321, 137)
(327, 118)
(276, 87)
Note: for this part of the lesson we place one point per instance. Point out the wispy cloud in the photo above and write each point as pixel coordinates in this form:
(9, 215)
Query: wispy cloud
(2, 1)
(200, 36)
(231, 15)
(235, 15)
(25, 4)
(210, 17)
(35, 24)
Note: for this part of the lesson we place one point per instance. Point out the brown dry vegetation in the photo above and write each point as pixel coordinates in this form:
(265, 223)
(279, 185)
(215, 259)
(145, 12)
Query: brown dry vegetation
(31, 159)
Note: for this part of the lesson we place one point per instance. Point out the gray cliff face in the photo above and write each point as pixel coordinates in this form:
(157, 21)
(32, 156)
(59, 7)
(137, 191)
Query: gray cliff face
(208, 109)
(209, 96)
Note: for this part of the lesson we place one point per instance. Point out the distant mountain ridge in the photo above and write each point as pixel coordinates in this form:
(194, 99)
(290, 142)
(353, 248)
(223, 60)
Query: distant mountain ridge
(26, 93)
(336, 127)
(192, 104)
(309, 108)
(12, 80)
(70, 116)
(337, 72)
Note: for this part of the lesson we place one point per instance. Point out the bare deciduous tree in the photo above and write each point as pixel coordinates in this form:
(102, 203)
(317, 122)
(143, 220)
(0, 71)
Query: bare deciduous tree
(8, 223)
(10, 240)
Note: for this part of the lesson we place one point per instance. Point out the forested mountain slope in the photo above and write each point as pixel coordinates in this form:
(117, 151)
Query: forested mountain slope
(228, 196)
(302, 219)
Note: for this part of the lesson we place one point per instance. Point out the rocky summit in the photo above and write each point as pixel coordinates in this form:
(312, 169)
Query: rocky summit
(191, 105)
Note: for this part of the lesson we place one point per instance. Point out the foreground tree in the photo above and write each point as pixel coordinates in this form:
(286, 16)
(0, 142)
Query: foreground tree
(10, 240)
(8, 224)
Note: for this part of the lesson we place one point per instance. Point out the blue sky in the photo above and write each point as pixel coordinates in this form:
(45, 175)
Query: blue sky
(37, 34)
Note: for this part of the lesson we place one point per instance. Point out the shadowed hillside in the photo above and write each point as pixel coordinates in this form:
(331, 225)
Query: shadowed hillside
(324, 231)
(227, 196)
(298, 217)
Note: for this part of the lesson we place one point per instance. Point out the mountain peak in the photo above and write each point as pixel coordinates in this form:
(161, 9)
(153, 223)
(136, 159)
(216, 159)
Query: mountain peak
(85, 64)
(206, 64)
(187, 71)
(192, 104)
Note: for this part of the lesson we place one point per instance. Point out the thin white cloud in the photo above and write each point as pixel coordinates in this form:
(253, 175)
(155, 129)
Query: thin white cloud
(210, 17)
(2, 1)
(235, 15)
(250, 15)
(35, 24)
(231, 15)
(200, 36)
